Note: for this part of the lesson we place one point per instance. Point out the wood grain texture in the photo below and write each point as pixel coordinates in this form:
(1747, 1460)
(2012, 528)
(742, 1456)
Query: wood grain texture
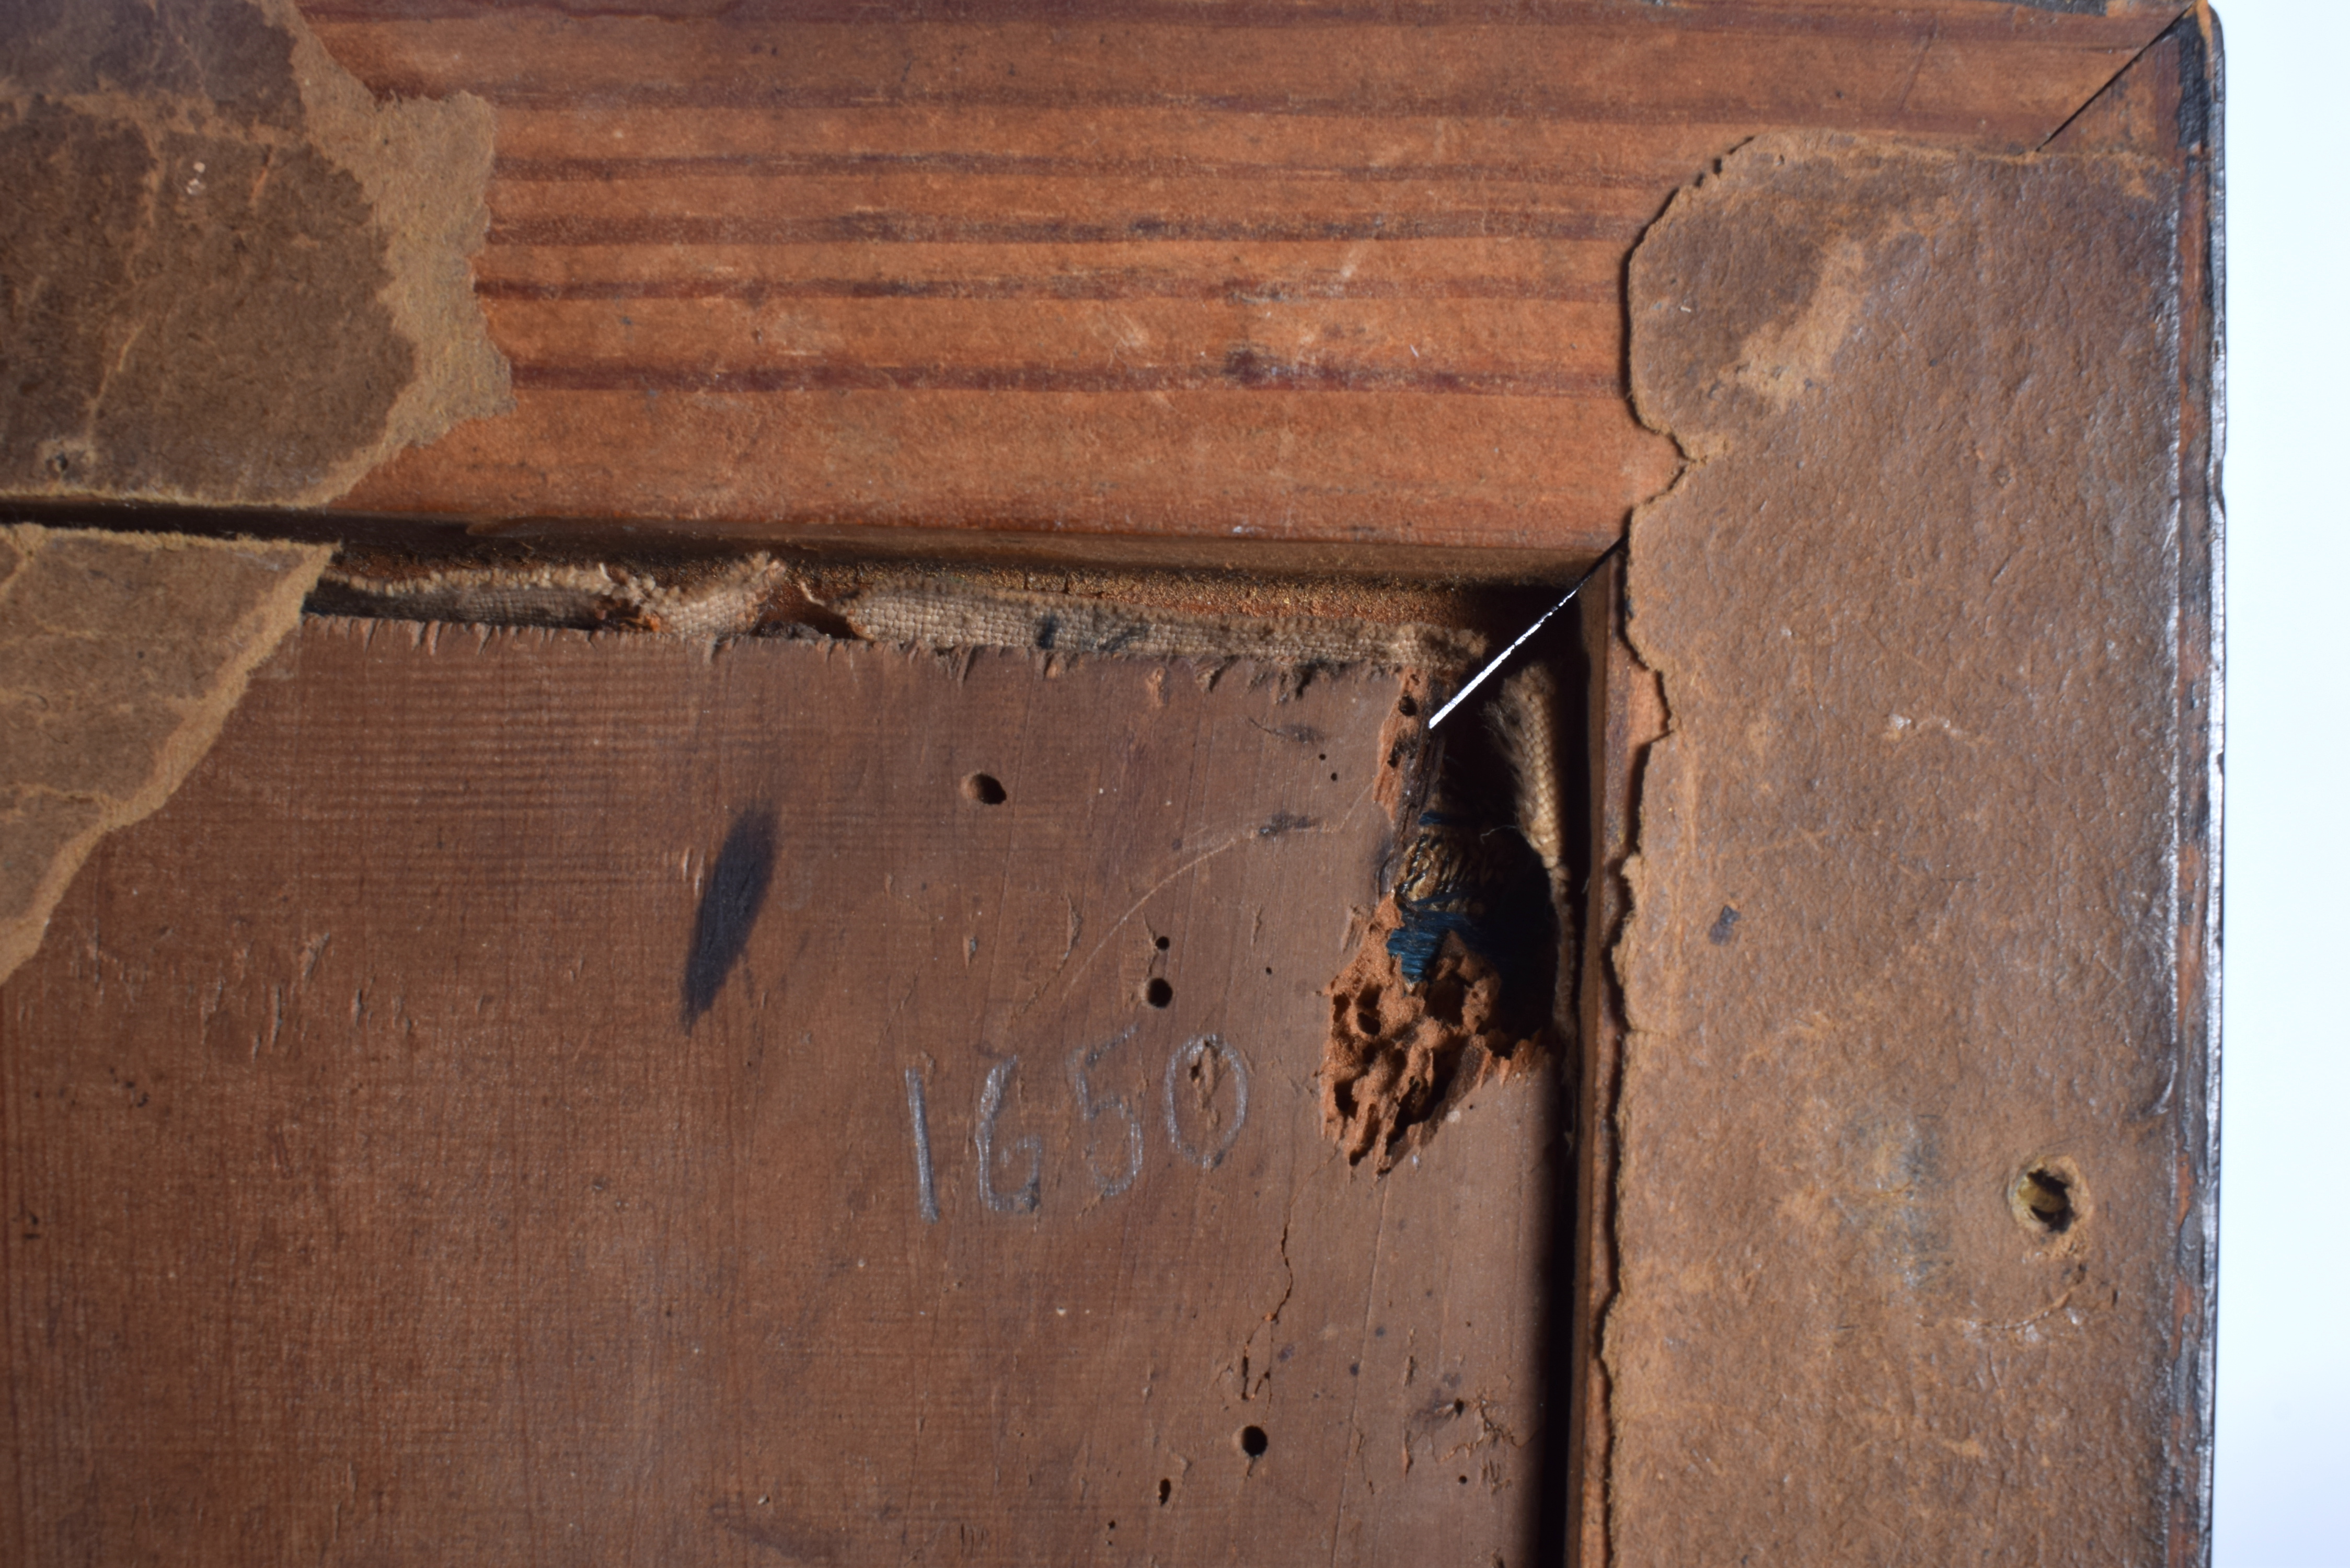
(470, 1123)
(1346, 280)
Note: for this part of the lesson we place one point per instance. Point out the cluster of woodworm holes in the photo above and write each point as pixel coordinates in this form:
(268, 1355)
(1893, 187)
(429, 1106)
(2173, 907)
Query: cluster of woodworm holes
(986, 789)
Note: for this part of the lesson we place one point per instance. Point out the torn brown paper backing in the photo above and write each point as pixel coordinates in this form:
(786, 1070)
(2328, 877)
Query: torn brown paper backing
(120, 656)
(241, 279)
(1901, 945)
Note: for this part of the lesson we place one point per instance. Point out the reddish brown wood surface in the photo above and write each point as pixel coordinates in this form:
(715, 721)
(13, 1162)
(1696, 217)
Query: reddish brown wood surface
(1344, 279)
(433, 1137)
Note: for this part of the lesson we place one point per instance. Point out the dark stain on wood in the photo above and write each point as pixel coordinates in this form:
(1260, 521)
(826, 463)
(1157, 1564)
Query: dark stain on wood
(735, 891)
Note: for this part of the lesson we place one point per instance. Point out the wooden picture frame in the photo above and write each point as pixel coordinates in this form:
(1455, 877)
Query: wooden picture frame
(1166, 381)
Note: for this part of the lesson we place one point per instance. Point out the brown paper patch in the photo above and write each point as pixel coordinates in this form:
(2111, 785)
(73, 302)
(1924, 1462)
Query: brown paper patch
(234, 277)
(1900, 948)
(120, 656)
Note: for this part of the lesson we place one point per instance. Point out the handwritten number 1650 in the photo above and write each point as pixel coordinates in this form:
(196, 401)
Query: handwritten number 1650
(1105, 1117)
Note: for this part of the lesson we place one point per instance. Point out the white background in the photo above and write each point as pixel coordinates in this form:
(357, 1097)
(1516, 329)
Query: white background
(2284, 1279)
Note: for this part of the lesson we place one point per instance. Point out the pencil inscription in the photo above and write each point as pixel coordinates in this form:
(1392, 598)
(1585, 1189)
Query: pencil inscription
(990, 1105)
(1109, 1137)
(925, 1183)
(1089, 1109)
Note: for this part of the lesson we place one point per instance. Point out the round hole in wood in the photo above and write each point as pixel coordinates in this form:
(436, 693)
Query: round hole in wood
(1158, 993)
(1253, 1442)
(984, 788)
(2047, 1198)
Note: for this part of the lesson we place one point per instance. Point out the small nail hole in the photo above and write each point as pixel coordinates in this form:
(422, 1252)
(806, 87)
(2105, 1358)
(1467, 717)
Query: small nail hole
(1158, 993)
(1253, 1442)
(1160, 944)
(2043, 1199)
(1166, 1490)
(984, 788)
